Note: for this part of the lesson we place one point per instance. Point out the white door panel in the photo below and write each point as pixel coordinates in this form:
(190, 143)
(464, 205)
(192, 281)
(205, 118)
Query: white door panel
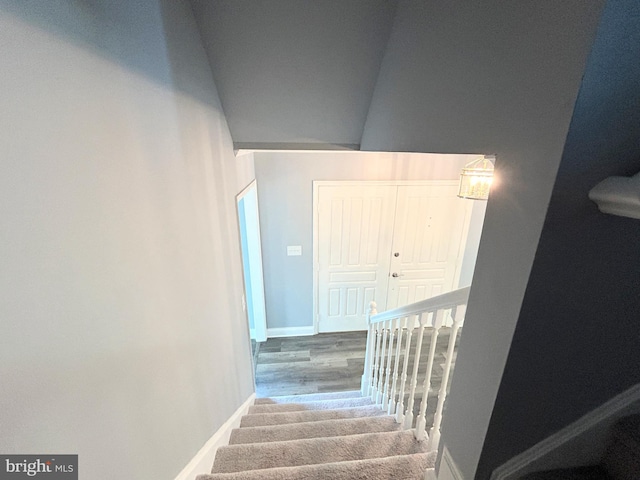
(366, 233)
(352, 259)
(430, 229)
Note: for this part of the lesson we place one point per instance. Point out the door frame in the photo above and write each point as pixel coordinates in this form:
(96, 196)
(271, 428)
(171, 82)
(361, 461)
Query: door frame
(347, 183)
(254, 255)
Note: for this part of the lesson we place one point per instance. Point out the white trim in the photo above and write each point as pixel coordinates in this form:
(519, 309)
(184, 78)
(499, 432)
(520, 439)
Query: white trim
(448, 469)
(618, 196)
(337, 325)
(439, 302)
(315, 207)
(253, 183)
(203, 460)
(292, 147)
(580, 426)
(290, 331)
(250, 196)
(391, 183)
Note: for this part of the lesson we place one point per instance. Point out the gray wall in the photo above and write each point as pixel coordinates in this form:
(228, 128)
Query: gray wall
(576, 343)
(295, 72)
(492, 77)
(285, 192)
(122, 333)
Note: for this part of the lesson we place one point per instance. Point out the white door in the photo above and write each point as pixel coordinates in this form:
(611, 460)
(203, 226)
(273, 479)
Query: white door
(249, 222)
(395, 244)
(429, 236)
(353, 244)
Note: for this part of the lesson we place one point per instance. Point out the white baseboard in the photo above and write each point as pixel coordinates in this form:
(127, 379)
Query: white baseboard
(339, 325)
(290, 331)
(430, 474)
(203, 460)
(448, 468)
(588, 432)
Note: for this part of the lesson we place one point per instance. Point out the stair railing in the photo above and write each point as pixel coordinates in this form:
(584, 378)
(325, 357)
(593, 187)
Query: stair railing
(390, 337)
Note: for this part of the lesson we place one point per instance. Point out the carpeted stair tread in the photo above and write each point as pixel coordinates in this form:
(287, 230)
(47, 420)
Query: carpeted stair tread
(400, 467)
(291, 453)
(321, 428)
(308, 397)
(262, 419)
(308, 438)
(330, 404)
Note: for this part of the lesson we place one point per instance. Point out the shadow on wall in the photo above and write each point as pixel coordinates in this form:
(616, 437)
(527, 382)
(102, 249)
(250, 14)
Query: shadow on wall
(116, 35)
(576, 342)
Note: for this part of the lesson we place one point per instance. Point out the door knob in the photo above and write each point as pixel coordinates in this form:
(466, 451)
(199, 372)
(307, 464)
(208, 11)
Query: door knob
(395, 275)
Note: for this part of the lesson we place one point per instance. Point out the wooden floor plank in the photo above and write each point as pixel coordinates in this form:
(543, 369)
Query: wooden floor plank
(331, 362)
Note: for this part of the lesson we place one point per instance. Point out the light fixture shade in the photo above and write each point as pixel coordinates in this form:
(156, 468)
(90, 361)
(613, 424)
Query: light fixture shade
(476, 179)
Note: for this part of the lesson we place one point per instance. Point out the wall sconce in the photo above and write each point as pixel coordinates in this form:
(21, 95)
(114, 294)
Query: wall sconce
(618, 196)
(476, 178)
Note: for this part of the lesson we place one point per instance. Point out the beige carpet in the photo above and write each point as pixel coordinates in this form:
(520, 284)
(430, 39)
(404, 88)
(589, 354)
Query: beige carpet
(317, 437)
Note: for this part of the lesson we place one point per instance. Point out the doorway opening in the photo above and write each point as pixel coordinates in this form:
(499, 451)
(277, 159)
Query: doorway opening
(249, 223)
(390, 242)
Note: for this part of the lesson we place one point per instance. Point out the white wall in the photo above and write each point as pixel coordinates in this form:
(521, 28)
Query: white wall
(122, 333)
(285, 191)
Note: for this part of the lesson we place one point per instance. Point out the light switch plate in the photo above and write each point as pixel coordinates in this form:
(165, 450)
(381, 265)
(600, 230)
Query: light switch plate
(294, 250)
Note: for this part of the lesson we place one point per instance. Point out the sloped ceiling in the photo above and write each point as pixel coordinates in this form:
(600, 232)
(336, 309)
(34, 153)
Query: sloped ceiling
(295, 72)
(479, 76)
(412, 75)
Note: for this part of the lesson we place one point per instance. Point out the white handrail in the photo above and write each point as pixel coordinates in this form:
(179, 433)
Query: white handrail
(382, 373)
(440, 302)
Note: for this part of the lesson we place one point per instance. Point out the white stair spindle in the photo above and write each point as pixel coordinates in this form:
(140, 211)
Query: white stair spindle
(365, 383)
(376, 364)
(421, 423)
(391, 409)
(380, 380)
(385, 394)
(434, 434)
(378, 399)
(408, 418)
(408, 324)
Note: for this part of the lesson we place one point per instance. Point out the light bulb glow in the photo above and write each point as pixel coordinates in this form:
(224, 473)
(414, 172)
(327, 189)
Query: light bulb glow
(476, 179)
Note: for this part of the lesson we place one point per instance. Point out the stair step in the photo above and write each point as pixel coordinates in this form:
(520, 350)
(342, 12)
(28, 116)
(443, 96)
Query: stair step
(293, 453)
(263, 419)
(308, 397)
(321, 428)
(330, 404)
(405, 467)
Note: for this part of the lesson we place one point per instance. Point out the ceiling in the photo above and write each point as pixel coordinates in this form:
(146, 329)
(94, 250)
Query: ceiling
(409, 75)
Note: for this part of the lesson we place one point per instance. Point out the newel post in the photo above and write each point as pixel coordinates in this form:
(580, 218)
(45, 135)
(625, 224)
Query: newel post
(365, 384)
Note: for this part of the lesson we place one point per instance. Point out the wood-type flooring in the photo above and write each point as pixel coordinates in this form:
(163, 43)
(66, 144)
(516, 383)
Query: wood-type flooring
(333, 362)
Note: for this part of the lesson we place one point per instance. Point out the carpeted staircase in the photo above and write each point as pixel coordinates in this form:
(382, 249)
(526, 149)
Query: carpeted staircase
(320, 436)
